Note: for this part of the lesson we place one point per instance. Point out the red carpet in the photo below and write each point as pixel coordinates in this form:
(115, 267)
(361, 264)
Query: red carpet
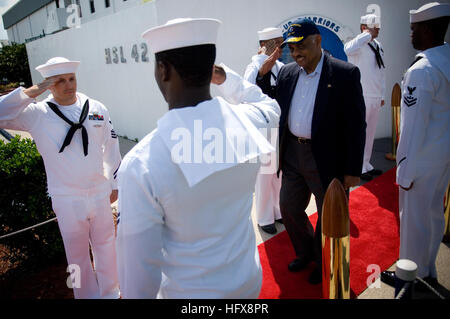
(374, 239)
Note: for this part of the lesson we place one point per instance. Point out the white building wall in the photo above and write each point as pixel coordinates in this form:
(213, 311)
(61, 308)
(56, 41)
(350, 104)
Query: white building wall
(34, 24)
(120, 4)
(129, 89)
(23, 30)
(38, 21)
(16, 33)
(10, 34)
(100, 10)
(31, 26)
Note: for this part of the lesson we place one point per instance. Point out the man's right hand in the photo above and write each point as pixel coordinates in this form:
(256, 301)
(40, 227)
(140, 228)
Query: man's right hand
(37, 89)
(371, 31)
(270, 62)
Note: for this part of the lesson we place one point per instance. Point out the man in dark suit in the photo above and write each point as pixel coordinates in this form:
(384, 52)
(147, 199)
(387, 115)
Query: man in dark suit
(322, 130)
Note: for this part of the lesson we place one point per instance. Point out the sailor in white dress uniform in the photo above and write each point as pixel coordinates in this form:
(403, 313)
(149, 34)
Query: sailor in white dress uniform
(186, 190)
(423, 155)
(366, 52)
(81, 161)
(263, 71)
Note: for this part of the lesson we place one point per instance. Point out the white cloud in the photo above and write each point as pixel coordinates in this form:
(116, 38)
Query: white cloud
(5, 5)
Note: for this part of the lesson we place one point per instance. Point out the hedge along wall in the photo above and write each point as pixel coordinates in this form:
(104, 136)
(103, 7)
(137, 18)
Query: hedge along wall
(24, 202)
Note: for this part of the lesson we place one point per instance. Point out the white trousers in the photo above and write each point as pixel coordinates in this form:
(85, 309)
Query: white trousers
(422, 219)
(373, 105)
(83, 220)
(267, 198)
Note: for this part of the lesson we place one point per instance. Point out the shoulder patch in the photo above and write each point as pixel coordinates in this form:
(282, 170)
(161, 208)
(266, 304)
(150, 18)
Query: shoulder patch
(410, 99)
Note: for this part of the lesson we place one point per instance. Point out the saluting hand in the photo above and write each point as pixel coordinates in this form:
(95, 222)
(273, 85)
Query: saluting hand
(37, 89)
(270, 62)
(219, 76)
(372, 31)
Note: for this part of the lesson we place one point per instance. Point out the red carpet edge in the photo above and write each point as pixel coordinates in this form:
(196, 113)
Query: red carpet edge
(374, 244)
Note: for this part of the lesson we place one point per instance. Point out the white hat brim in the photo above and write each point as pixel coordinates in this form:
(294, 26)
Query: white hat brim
(181, 33)
(271, 33)
(48, 70)
(429, 11)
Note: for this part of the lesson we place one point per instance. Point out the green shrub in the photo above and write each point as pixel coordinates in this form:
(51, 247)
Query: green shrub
(6, 88)
(14, 64)
(24, 202)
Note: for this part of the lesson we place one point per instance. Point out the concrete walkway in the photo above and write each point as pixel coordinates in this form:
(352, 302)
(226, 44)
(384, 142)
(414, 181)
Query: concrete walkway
(377, 290)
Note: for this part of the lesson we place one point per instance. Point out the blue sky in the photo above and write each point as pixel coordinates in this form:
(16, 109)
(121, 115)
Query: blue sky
(4, 6)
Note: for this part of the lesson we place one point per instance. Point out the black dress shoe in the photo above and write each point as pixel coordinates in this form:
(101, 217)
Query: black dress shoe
(315, 277)
(388, 277)
(298, 264)
(279, 220)
(375, 172)
(270, 229)
(366, 176)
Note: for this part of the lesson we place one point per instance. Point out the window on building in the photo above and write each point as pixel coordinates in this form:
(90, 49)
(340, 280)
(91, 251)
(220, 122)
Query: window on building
(67, 3)
(91, 3)
(57, 3)
(107, 3)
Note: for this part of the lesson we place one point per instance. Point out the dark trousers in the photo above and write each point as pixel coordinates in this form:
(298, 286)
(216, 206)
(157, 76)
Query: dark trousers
(300, 179)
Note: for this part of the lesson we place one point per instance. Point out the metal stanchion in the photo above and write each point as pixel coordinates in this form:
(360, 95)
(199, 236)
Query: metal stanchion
(395, 103)
(405, 274)
(446, 238)
(6, 135)
(335, 243)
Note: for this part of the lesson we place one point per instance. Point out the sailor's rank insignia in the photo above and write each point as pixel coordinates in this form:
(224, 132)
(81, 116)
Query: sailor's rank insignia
(410, 99)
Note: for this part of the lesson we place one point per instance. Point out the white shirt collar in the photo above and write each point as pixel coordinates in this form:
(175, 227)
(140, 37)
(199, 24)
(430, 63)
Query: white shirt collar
(217, 114)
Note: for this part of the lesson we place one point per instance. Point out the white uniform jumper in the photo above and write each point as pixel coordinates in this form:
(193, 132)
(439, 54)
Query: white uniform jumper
(79, 185)
(267, 190)
(185, 228)
(373, 82)
(423, 157)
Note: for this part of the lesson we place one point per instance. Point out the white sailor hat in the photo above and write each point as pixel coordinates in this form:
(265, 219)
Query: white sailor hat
(270, 33)
(56, 66)
(429, 11)
(182, 32)
(371, 20)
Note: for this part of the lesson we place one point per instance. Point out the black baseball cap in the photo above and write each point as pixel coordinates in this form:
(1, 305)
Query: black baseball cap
(299, 30)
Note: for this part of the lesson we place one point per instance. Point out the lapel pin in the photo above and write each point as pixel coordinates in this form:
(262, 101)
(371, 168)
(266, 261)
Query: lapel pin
(329, 85)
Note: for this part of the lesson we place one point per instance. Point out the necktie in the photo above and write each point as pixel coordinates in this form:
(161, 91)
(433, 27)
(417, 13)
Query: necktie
(377, 55)
(414, 62)
(74, 126)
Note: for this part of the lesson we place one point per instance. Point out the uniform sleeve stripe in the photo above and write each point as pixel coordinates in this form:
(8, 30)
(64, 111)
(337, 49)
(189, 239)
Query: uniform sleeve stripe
(115, 172)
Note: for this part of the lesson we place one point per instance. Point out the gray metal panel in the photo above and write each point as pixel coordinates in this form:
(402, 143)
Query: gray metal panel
(21, 10)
